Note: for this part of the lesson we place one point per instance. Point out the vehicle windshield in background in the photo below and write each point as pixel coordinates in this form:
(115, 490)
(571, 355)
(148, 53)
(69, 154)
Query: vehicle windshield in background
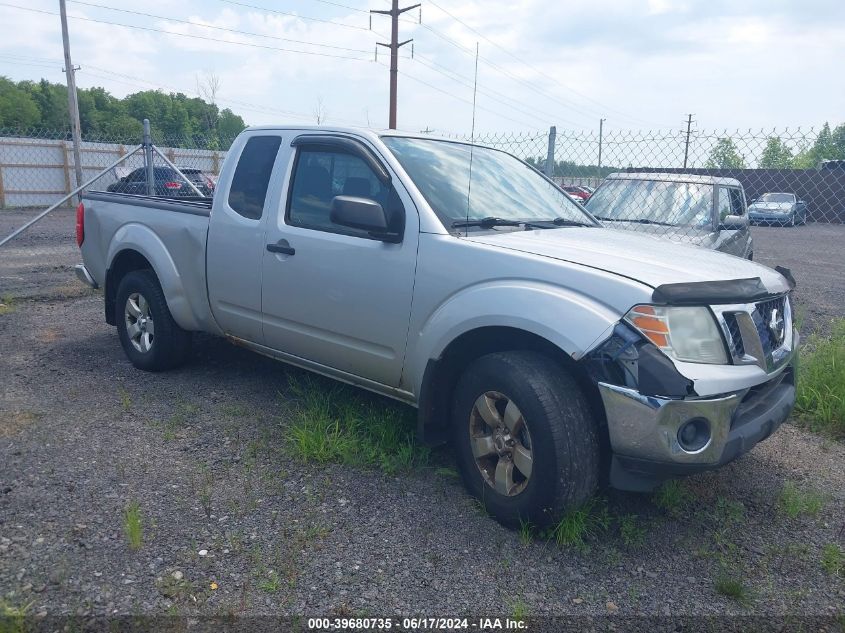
(776, 197)
(503, 189)
(653, 201)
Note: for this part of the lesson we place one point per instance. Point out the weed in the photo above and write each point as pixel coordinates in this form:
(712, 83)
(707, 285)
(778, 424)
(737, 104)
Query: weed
(729, 512)
(672, 496)
(519, 610)
(733, 587)
(333, 423)
(271, 583)
(13, 619)
(833, 560)
(132, 525)
(125, 399)
(580, 524)
(794, 502)
(447, 472)
(206, 488)
(820, 392)
(7, 304)
(632, 533)
(526, 532)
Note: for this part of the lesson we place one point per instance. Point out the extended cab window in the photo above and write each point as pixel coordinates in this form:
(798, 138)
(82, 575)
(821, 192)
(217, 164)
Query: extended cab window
(321, 175)
(252, 175)
(730, 203)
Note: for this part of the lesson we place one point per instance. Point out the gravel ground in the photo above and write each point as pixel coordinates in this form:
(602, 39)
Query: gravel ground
(202, 451)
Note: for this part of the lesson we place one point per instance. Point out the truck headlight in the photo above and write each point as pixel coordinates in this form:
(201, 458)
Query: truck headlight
(684, 333)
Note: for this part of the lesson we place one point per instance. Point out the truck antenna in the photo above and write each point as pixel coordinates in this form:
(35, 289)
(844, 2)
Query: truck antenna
(472, 137)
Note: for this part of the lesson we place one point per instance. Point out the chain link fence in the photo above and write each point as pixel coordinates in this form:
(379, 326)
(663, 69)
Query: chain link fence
(697, 187)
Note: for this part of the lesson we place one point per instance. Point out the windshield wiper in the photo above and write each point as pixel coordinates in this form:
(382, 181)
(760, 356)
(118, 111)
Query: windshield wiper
(634, 220)
(485, 223)
(544, 224)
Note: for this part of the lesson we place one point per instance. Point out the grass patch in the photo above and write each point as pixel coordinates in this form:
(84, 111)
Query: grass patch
(672, 496)
(633, 534)
(335, 423)
(833, 560)
(580, 524)
(733, 587)
(794, 502)
(12, 618)
(132, 525)
(820, 393)
(7, 304)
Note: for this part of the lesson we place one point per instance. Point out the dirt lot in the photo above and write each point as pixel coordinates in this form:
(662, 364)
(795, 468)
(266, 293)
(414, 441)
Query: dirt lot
(232, 523)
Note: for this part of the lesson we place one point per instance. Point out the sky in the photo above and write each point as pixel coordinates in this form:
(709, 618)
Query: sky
(638, 64)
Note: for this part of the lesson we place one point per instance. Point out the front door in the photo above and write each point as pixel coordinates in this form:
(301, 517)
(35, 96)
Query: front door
(334, 295)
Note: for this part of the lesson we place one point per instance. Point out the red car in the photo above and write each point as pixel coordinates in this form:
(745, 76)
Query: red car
(581, 195)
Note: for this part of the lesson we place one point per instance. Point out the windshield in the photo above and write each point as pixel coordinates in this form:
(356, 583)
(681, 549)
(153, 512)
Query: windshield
(658, 201)
(501, 186)
(777, 197)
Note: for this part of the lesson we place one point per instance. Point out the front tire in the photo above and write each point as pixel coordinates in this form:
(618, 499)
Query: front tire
(150, 337)
(526, 442)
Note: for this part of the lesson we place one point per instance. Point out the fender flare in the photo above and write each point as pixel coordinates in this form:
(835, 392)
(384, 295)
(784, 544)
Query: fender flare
(571, 321)
(139, 238)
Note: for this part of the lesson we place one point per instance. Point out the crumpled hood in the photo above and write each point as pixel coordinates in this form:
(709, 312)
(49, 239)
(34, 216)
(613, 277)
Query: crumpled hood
(644, 258)
(783, 207)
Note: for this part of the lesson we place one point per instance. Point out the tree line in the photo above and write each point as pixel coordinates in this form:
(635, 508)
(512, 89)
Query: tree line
(777, 154)
(41, 107)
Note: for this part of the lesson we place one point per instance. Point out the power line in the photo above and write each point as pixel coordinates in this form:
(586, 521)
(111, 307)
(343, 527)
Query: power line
(217, 28)
(530, 66)
(196, 37)
(295, 15)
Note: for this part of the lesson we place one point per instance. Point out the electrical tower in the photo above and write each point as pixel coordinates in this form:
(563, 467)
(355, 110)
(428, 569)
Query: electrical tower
(394, 47)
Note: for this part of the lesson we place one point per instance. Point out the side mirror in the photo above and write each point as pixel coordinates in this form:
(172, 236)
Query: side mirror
(363, 214)
(733, 223)
(801, 202)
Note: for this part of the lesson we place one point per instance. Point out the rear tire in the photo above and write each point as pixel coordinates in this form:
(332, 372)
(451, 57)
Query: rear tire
(150, 337)
(520, 411)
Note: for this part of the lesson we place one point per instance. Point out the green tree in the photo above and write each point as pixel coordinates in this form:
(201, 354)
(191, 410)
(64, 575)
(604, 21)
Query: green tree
(776, 155)
(17, 108)
(725, 155)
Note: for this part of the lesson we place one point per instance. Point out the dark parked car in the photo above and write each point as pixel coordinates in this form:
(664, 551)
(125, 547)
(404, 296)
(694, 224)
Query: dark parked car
(168, 183)
(778, 208)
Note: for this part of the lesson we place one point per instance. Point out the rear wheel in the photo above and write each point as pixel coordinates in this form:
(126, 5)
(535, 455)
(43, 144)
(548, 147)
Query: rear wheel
(526, 443)
(150, 337)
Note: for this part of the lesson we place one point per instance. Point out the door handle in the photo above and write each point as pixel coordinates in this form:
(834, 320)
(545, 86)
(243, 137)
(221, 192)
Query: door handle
(282, 247)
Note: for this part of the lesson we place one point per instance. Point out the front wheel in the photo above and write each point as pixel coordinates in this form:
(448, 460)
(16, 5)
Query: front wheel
(526, 442)
(150, 337)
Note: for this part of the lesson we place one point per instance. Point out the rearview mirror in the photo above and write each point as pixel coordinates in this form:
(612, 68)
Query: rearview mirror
(733, 223)
(364, 214)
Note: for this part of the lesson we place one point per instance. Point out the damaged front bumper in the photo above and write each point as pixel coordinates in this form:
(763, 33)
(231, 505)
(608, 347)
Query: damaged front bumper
(655, 438)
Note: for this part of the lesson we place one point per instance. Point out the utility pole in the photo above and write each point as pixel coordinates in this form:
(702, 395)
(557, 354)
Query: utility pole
(686, 145)
(394, 47)
(72, 102)
(601, 130)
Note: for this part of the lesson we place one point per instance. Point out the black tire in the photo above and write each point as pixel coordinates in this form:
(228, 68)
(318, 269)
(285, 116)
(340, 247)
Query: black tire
(169, 345)
(563, 437)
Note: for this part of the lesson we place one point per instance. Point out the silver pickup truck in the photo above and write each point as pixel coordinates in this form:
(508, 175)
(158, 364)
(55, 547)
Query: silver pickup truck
(556, 355)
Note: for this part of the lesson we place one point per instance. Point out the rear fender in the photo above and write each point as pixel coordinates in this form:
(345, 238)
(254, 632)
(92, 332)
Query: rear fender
(137, 237)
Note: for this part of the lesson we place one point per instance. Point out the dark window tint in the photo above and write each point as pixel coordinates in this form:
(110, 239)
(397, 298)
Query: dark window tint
(322, 175)
(737, 207)
(139, 175)
(252, 176)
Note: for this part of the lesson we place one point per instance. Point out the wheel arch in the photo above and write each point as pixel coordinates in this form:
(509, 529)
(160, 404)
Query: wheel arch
(441, 375)
(136, 247)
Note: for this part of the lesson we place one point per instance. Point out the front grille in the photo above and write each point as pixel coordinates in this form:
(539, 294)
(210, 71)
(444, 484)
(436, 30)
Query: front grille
(765, 316)
(759, 333)
(734, 336)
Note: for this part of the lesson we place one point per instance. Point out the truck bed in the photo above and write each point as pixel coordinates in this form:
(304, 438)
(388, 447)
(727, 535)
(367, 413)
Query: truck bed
(170, 234)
